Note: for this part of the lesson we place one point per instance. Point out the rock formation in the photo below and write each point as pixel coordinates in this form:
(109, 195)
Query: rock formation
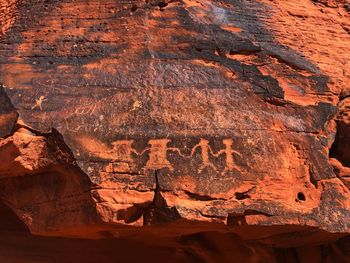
(183, 131)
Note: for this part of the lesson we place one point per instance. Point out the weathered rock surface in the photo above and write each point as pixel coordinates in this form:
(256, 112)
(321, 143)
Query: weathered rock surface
(199, 130)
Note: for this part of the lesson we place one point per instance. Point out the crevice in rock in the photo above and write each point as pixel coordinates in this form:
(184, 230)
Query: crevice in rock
(21, 125)
(312, 178)
(244, 195)
(212, 216)
(256, 212)
(287, 62)
(340, 149)
(346, 29)
(339, 153)
(200, 197)
(133, 213)
(239, 219)
(247, 52)
(8, 114)
(158, 212)
(276, 101)
(343, 95)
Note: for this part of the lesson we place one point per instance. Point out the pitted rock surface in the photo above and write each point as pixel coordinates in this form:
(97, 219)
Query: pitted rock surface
(183, 116)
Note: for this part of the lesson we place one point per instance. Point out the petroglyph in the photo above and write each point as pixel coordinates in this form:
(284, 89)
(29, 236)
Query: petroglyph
(230, 164)
(39, 103)
(122, 155)
(122, 151)
(205, 151)
(158, 155)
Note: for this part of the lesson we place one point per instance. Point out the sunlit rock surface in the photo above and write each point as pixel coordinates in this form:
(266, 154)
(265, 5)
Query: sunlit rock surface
(202, 131)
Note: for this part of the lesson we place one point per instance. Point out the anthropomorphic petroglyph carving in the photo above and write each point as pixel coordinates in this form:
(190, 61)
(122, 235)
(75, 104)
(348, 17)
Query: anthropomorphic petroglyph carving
(39, 103)
(123, 155)
(122, 151)
(230, 164)
(158, 154)
(205, 151)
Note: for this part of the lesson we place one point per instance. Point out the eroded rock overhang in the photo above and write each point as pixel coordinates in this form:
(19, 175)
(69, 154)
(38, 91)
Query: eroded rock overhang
(162, 112)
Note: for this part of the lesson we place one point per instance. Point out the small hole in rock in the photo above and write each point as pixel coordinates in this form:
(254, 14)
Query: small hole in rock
(301, 196)
(198, 49)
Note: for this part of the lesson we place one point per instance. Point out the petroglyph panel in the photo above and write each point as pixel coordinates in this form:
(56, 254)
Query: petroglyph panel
(158, 150)
(210, 161)
(203, 101)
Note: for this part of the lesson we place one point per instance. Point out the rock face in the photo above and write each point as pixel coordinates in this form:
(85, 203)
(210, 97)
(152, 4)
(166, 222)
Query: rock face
(197, 130)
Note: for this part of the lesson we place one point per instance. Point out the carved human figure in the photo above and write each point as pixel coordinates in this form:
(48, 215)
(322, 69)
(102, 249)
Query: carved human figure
(122, 156)
(205, 151)
(122, 151)
(158, 154)
(230, 164)
(39, 103)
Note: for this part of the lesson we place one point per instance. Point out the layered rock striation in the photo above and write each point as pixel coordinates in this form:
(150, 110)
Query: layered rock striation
(202, 130)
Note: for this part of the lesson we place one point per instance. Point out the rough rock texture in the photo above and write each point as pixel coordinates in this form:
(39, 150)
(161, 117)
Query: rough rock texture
(201, 130)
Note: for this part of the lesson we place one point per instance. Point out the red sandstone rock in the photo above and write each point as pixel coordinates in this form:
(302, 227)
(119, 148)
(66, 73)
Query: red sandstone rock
(200, 130)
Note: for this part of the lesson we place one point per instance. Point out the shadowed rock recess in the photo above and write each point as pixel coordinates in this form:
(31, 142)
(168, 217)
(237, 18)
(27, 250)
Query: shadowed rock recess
(174, 131)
